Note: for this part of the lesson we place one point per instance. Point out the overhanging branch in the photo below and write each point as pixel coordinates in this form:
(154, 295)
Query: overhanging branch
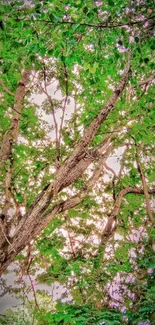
(111, 223)
(99, 25)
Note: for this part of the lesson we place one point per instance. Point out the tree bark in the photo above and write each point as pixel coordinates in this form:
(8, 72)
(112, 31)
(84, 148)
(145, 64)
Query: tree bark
(12, 134)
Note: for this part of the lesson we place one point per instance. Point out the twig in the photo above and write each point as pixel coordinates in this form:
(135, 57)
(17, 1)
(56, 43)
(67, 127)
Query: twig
(52, 111)
(6, 237)
(145, 83)
(71, 243)
(65, 102)
(34, 293)
(27, 262)
(5, 88)
(15, 110)
(110, 169)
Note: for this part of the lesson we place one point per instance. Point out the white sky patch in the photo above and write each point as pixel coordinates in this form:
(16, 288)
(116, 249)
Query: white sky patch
(55, 93)
(114, 162)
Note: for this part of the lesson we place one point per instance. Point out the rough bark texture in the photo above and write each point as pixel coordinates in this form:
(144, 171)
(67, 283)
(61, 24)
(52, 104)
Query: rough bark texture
(76, 199)
(12, 134)
(26, 230)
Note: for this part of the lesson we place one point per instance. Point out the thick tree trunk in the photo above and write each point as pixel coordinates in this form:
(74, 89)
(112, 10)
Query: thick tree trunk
(27, 228)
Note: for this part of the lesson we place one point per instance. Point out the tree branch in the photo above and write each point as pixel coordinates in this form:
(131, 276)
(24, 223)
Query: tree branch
(140, 170)
(99, 25)
(53, 115)
(64, 105)
(111, 223)
(5, 88)
(145, 81)
(12, 134)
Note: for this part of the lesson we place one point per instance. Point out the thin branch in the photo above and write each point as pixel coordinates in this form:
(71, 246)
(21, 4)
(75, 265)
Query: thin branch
(53, 114)
(142, 176)
(33, 290)
(5, 88)
(121, 167)
(71, 242)
(117, 178)
(125, 191)
(110, 169)
(4, 234)
(145, 81)
(15, 110)
(27, 261)
(65, 102)
(99, 25)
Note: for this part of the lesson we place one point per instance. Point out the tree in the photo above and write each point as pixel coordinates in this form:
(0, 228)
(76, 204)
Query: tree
(100, 55)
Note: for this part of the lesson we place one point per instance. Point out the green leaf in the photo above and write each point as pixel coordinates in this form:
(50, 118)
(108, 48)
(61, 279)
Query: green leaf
(111, 3)
(43, 51)
(20, 197)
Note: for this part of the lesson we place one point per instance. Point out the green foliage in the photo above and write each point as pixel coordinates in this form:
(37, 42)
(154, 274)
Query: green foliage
(144, 309)
(82, 48)
(13, 318)
(82, 315)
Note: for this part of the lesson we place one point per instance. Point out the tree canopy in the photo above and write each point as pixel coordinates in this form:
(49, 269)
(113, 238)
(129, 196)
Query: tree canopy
(77, 156)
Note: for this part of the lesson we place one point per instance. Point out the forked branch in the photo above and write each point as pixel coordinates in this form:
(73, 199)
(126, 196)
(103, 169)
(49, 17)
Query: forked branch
(111, 223)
